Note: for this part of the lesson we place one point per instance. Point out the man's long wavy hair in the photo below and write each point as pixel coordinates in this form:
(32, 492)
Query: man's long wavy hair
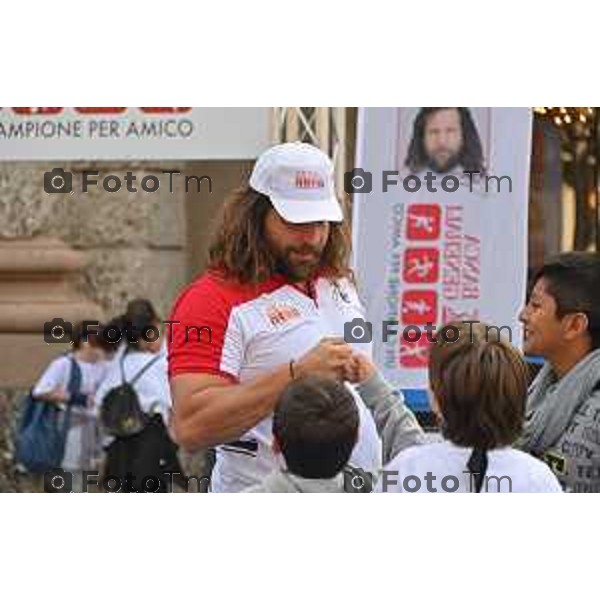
(240, 251)
(471, 154)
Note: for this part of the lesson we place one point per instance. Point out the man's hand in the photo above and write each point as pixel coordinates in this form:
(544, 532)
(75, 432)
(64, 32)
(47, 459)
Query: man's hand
(330, 358)
(359, 369)
(210, 409)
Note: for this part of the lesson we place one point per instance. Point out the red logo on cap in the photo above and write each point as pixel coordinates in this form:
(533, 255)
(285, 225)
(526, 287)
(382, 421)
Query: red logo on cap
(309, 180)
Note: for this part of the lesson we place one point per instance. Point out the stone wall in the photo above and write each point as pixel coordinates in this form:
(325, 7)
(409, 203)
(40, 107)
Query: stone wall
(10, 480)
(135, 244)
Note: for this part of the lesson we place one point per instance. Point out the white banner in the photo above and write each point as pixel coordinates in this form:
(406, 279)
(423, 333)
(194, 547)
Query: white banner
(440, 225)
(110, 133)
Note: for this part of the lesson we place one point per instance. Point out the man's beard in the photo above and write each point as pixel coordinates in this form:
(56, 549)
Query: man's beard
(297, 271)
(452, 162)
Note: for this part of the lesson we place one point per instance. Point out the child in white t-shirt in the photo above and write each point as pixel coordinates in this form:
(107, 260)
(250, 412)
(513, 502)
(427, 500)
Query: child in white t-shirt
(478, 388)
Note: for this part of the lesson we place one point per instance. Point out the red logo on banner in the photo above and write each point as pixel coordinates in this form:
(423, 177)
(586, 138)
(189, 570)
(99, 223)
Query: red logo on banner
(415, 355)
(102, 110)
(424, 222)
(419, 307)
(22, 110)
(421, 265)
(167, 110)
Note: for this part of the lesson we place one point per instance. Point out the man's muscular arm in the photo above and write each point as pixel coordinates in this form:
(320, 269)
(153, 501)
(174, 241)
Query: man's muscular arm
(209, 410)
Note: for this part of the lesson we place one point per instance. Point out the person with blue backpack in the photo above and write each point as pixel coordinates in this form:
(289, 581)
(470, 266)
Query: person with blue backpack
(58, 426)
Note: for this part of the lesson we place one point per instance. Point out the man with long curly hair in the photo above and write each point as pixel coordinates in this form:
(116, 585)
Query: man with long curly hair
(273, 304)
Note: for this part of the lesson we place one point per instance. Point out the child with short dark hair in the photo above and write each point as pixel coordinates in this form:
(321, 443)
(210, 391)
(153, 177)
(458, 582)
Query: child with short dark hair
(315, 428)
(562, 325)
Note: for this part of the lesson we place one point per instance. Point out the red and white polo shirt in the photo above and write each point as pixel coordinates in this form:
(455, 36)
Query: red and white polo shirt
(255, 329)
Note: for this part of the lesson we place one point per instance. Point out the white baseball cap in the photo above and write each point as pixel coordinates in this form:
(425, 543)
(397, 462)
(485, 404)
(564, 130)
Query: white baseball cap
(298, 179)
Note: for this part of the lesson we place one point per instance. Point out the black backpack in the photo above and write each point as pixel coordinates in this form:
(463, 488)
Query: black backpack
(121, 414)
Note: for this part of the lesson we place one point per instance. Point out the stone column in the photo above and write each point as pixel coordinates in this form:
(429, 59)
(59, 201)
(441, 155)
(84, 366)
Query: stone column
(38, 283)
(77, 256)
(40, 276)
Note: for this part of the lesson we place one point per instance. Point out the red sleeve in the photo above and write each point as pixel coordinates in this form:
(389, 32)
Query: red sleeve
(203, 336)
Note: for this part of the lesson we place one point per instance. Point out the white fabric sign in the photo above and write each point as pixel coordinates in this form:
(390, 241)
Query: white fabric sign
(432, 243)
(110, 133)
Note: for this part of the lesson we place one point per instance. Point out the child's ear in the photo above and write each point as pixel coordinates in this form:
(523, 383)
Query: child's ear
(576, 325)
(275, 446)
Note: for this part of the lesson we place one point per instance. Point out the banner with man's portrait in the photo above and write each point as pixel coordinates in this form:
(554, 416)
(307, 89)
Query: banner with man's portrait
(440, 226)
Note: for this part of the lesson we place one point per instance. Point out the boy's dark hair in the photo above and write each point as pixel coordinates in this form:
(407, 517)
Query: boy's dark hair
(316, 426)
(573, 280)
(480, 383)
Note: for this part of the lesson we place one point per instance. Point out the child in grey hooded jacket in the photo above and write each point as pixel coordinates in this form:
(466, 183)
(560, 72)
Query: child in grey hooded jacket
(315, 425)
